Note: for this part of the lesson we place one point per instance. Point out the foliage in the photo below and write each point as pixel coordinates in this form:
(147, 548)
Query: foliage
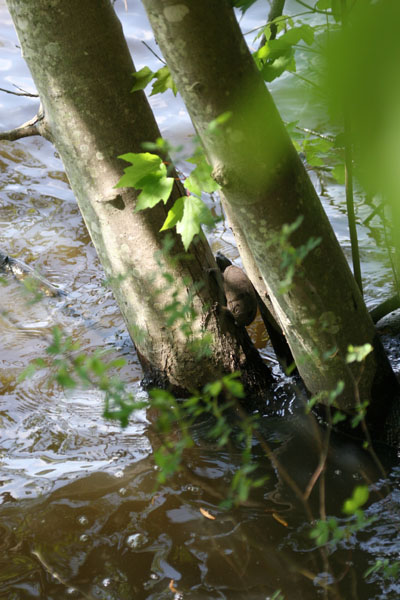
(150, 174)
(71, 369)
(358, 353)
(390, 570)
(278, 55)
(242, 4)
(292, 258)
(217, 401)
(332, 530)
(163, 80)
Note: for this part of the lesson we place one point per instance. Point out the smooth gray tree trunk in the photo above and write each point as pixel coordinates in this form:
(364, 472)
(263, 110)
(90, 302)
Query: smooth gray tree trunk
(82, 69)
(266, 186)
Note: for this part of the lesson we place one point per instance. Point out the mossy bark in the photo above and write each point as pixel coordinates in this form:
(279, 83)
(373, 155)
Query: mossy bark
(266, 186)
(82, 69)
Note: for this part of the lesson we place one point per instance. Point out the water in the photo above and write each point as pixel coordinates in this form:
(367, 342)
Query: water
(80, 513)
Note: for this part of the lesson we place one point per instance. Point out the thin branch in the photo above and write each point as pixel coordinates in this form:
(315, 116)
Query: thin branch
(57, 576)
(314, 10)
(323, 136)
(35, 126)
(348, 167)
(154, 53)
(276, 11)
(304, 79)
(284, 18)
(21, 93)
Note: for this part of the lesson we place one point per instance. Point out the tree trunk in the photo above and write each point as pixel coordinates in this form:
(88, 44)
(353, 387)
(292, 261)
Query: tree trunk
(266, 187)
(82, 69)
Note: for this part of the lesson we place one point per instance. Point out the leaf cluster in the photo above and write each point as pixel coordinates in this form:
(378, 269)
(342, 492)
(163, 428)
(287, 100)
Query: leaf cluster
(163, 80)
(217, 400)
(292, 257)
(149, 173)
(333, 530)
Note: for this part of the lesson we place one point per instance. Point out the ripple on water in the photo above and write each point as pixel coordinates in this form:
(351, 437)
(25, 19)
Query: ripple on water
(47, 440)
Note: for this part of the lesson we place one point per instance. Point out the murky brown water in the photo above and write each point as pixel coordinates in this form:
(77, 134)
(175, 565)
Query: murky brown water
(79, 514)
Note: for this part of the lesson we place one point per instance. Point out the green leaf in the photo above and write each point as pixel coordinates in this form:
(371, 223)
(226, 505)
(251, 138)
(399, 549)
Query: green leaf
(175, 214)
(163, 82)
(195, 213)
(274, 69)
(295, 34)
(27, 372)
(155, 187)
(142, 164)
(148, 173)
(338, 417)
(323, 4)
(338, 173)
(262, 53)
(214, 388)
(142, 78)
(64, 378)
(314, 149)
(215, 125)
(359, 497)
(336, 10)
(242, 4)
(117, 363)
(358, 353)
(200, 179)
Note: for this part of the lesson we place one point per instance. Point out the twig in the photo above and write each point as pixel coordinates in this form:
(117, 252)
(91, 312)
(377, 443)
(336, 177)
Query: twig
(305, 79)
(58, 577)
(348, 159)
(323, 136)
(312, 9)
(22, 93)
(284, 18)
(154, 53)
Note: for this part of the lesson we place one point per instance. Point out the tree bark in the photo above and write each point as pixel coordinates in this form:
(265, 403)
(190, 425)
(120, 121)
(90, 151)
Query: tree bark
(82, 69)
(266, 186)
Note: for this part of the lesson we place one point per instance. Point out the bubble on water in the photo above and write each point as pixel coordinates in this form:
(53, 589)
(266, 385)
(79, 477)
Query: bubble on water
(122, 491)
(119, 474)
(323, 580)
(195, 489)
(136, 540)
(106, 582)
(153, 576)
(83, 538)
(82, 520)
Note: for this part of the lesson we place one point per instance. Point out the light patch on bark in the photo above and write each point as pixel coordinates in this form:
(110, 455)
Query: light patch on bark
(175, 13)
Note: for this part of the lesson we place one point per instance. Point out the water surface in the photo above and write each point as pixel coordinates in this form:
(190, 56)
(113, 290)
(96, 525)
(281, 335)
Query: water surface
(80, 513)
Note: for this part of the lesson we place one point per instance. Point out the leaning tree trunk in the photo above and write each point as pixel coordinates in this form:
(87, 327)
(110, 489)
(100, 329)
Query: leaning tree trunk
(82, 69)
(266, 187)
